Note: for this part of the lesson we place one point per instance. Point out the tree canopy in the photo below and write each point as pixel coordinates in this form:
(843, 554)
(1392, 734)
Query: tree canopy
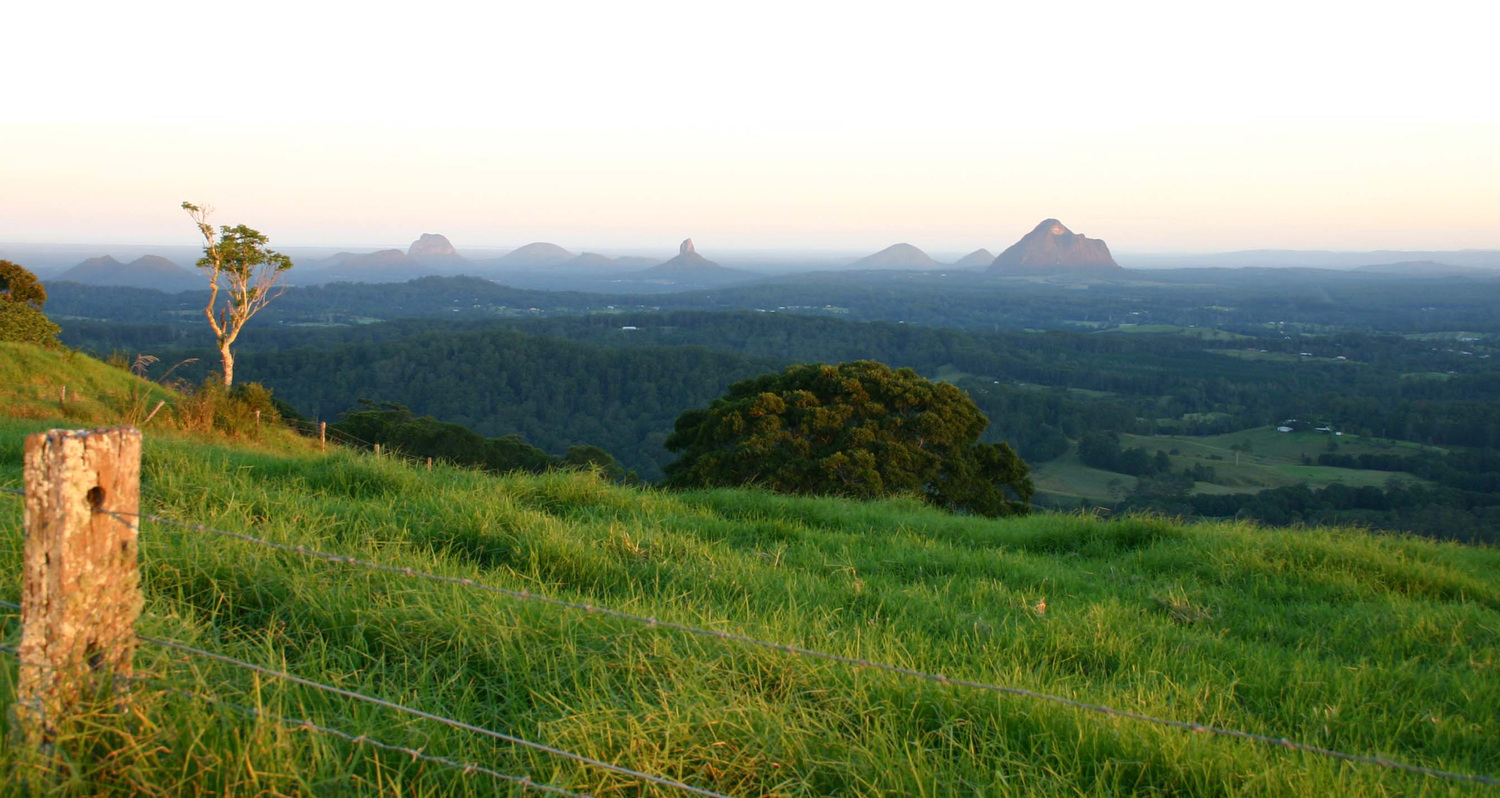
(858, 429)
(21, 299)
(395, 426)
(18, 284)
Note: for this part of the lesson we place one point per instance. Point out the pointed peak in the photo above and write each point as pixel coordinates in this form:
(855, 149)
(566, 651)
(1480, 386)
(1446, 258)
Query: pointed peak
(687, 246)
(1051, 246)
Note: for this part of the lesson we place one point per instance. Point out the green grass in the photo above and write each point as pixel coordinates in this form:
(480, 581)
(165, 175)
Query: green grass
(1067, 478)
(1205, 333)
(1272, 446)
(1275, 460)
(1374, 645)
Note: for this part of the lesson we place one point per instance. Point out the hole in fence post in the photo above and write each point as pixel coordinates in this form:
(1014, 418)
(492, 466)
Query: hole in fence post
(80, 587)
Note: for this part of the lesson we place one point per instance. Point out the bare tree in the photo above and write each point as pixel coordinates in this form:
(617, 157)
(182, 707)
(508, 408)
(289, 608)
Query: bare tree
(237, 263)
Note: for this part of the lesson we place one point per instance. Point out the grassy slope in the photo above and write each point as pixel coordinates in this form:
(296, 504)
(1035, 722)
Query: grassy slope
(1361, 643)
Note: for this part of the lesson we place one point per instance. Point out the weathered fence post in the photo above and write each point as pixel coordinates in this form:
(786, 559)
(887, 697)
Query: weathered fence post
(377, 450)
(80, 592)
(323, 435)
(62, 399)
(257, 421)
(429, 464)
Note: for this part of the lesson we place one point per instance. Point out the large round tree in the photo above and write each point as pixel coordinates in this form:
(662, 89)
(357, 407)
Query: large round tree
(859, 429)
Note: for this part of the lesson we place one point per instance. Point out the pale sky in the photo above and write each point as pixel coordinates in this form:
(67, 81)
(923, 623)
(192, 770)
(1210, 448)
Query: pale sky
(1159, 127)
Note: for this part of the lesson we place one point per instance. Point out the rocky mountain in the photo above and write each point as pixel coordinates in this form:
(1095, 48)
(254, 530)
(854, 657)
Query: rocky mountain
(977, 259)
(532, 256)
(896, 256)
(147, 271)
(688, 261)
(1052, 247)
(687, 269)
(432, 246)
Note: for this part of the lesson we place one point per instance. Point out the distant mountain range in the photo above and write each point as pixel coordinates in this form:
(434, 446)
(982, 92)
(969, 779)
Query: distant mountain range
(147, 271)
(1049, 249)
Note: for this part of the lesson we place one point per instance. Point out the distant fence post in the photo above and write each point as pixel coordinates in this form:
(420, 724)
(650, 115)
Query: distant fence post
(377, 450)
(80, 591)
(429, 464)
(323, 435)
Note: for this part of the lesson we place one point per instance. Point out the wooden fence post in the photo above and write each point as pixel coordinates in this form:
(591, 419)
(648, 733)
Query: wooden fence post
(429, 464)
(323, 435)
(80, 591)
(377, 450)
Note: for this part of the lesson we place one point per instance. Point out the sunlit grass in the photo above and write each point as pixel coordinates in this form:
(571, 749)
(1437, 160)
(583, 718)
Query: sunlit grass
(1370, 644)
(1367, 644)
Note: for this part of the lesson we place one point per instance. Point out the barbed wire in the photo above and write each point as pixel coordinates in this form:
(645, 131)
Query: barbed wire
(858, 662)
(13, 491)
(467, 767)
(457, 724)
(361, 739)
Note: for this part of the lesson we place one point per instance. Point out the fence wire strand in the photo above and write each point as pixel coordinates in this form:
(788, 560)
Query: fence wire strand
(360, 739)
(457, 724)
(524, 595)
(857, 662)
(357, 739)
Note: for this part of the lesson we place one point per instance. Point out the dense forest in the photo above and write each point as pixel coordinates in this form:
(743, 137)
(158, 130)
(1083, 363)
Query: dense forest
(560, 377)
(1031, 385)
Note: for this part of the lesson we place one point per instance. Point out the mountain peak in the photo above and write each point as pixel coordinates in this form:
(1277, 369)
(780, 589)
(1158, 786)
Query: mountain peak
(896, 256)
(432, 245)
(687, 261)
(978, 258)
(1051, 246)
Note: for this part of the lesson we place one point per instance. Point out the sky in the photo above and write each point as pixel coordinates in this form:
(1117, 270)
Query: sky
(1159, 127)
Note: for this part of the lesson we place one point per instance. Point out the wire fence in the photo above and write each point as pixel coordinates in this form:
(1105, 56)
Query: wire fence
(307, 725)
(653, 622)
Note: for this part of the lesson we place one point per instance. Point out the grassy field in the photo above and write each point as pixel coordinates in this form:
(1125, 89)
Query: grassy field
(1374, 645)
(1068, 479)
(1269, 446)
(1205, 333)
(1274, 460)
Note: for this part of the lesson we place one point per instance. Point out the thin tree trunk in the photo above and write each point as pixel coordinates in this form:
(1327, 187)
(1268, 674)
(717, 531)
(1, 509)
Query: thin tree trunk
(228, 358)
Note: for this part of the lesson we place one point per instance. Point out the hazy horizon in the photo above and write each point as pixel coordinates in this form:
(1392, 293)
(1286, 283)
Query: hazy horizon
(1175, 129)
